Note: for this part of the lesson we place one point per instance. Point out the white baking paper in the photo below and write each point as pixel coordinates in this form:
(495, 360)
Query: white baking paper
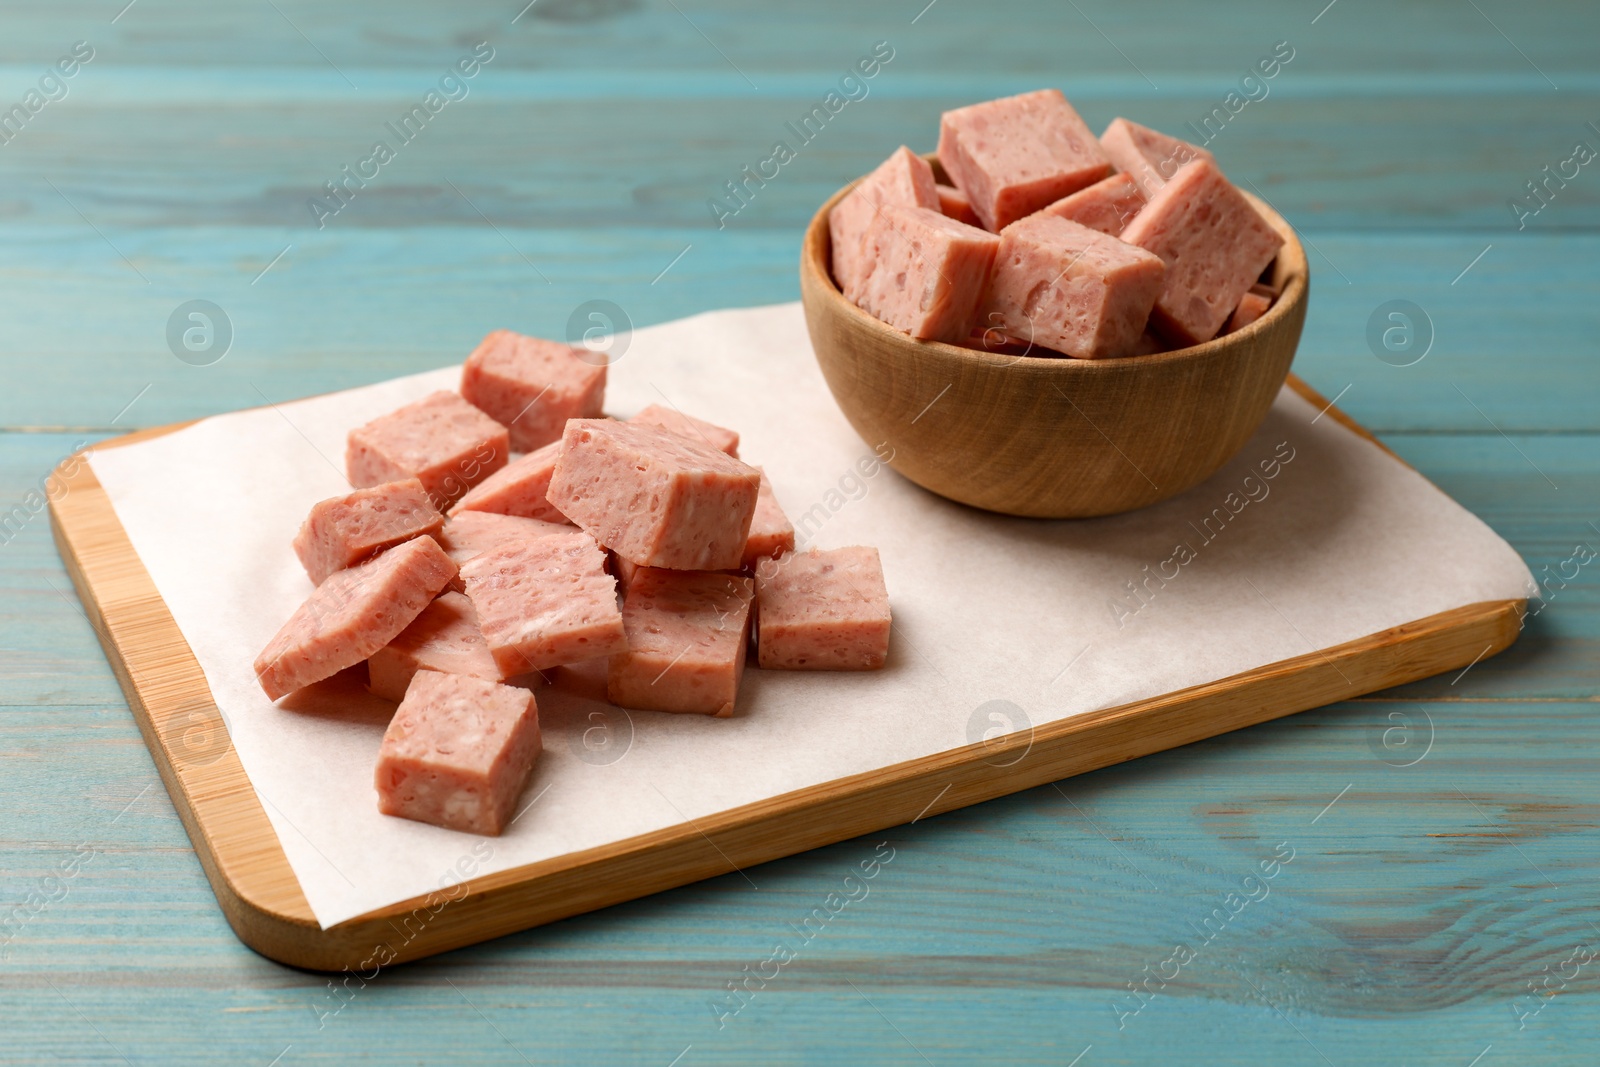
(998, 622)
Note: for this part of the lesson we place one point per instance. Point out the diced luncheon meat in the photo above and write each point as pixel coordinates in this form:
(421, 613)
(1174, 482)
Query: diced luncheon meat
(613, 564)
(904, 178)
(622, 570)
(533, 386)
(545, 602)
(353, 614)
(924, 272)
(587, 680)
(1019, 160)
(657, 499)
(445, 637)
(1108, 205)
(954, 203)
(687, 633)
(1148, 345)
(348, 529)
(441, 440)
(1215, 246)
(771, 533)
(674, 421)
(1016, 155)
(518, 488)
(458, 752)
(1147, 156)
(468, 533)
(822, 611)
(1252, 306)
(1070, 288)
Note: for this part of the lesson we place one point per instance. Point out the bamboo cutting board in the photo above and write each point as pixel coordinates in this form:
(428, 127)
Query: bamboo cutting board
(262, 899)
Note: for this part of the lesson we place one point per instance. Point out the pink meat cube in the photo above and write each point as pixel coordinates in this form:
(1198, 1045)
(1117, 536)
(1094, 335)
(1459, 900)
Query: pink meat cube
(924, 273)
(822, 611)
(530, 680)
(655, 498)
(687, 633)
(518, 488)
(1252, 306)
(1016, 155)
(1071, 288)
(545, 602)
(954, 203)
(1108, 205)
(904, 178)
(348, 529)
(445, 637)
(1215, 245)
(771, 533)
(533, 386)
(352, 614)
(1149, 344)
(674, 421)
(441, 440)
(457, 753)
(623, 571)
(468, 533)
(587, 680)
(1147, 156)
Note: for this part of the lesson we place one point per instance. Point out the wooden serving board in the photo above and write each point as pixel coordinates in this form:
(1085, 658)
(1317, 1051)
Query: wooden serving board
(262, 899)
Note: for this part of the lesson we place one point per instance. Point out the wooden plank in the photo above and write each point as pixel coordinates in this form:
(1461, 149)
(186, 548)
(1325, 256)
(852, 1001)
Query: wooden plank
(1018, 908)
(262, 900)
(1450, 162)
(416, 300)
(587, 36)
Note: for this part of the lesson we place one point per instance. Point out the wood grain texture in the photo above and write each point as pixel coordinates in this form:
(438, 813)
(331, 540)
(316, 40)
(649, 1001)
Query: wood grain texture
(257, 889)
(366, 305)
(1419, 905)
(1051, 437)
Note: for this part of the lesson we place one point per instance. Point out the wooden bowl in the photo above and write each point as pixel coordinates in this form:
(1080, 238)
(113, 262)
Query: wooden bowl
(1051, 437)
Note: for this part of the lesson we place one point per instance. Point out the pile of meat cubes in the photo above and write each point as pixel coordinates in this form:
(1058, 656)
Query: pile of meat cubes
(511, 535)
(1051, 241)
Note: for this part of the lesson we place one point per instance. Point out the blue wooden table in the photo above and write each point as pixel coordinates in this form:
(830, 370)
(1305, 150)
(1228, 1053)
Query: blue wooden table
(1437, 906)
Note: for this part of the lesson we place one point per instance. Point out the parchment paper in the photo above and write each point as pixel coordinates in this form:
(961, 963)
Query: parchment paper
(1340, 542)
